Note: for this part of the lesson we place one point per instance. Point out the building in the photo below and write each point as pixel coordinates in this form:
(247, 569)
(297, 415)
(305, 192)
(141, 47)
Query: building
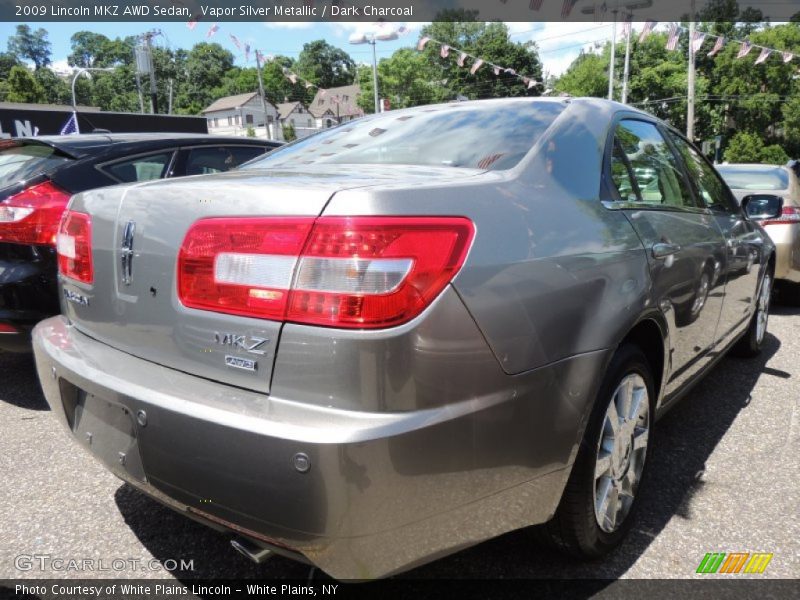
(336, 105)
(233, 115)
(298, 116)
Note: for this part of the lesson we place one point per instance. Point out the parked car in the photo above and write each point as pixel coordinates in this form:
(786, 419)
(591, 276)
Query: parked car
(407, 334)
(782, 181)
(37, 177)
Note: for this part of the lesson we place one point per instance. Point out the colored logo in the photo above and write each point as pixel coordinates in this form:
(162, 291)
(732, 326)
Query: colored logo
(734, 562)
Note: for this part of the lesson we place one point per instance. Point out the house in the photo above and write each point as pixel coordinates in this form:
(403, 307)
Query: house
(336, 105)
(232, 115)
(298, 116)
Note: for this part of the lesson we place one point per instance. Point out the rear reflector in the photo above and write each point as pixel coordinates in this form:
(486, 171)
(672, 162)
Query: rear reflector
(32, 215)
(789, 215)
(74, 247)
(355, 272)
(4, 328)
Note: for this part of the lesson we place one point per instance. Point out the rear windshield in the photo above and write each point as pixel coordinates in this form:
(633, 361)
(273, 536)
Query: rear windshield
(744, 178)
(492, 137)
(21, 160)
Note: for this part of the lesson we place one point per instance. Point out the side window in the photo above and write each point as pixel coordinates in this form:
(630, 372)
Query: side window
(621, 175)
(712, 192)
(653, 166)
(215, 159)
(141, 168)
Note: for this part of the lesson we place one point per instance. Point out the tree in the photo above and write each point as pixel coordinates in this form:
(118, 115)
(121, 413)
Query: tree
(7, 61)
(744, 147)
(586, 76)
(32, 45)
(206, 67)
(325, 65)
(406, 79)
(289, 133)
(22, 86)
(55, 89)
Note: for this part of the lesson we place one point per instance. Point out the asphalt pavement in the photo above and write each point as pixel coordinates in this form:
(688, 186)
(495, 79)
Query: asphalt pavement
(723, 478)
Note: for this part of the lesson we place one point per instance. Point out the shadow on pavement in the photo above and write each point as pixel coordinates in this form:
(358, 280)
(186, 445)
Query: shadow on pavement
(20, 384)
(684, 439)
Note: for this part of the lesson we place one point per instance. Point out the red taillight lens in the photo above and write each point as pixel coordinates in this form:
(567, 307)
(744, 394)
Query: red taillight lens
(74, 247)
(32, 216)
(789, 215)
(5, 328)
(356, 272)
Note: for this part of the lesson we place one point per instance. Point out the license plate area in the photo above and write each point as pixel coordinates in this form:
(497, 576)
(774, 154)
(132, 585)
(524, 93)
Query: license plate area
(104, 428)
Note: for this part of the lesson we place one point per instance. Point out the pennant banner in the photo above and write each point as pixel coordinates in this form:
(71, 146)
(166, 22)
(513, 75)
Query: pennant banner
(672, 40)
(765, 52)
(646, 30)
(744, 49)
(717, 46)
(697, 41)
(475, 66)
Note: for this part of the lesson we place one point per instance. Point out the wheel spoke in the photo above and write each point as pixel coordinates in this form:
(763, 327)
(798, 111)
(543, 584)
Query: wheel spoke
(613, 507)
(612, 418)
(640, 438)
(601, 500)
(602, 465)
(626, 397)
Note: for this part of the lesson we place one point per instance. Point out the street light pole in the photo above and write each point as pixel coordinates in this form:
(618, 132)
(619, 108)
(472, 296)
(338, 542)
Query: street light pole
(84, 71)
(691, 81)
(627, 69)
(373, 39)
(613, 57)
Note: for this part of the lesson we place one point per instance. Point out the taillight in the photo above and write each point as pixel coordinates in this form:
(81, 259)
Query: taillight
(355, 272)
(32, 216)
(789, 215)
(74, 247)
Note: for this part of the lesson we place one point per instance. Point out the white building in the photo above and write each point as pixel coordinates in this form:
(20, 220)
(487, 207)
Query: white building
(336, 105)
(297, 115)
(233, 115)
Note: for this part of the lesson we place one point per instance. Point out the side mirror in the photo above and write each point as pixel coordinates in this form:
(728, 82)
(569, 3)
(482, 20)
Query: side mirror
(761, 207)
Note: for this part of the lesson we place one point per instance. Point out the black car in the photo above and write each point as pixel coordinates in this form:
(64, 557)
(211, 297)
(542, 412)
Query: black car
(39, 175)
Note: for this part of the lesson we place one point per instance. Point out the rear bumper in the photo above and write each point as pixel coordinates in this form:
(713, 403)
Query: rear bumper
(383, 491)
(787, 251)
(28, 294)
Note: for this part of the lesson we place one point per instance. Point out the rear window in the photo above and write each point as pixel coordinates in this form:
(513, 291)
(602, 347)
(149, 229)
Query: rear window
(491, 137)
(743, 178)
(20, 161)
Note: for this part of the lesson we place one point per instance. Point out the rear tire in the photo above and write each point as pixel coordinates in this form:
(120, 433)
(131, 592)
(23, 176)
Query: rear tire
(600, 498)
(750, 344)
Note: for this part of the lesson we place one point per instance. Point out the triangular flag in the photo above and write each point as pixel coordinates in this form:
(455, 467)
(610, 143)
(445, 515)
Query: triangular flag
(744, 49)
(461, 58)
(672, 40)
(422, 42)
(646, 30)
(717, 46)
(496, 70)
(787, 57)
(697, 41)
(212, 30)
(765, 52)
(235, 41)
(445, 51)
(476, 65)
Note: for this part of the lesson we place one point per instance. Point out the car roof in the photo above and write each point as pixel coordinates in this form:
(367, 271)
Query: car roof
(752, 166)
(96, 144)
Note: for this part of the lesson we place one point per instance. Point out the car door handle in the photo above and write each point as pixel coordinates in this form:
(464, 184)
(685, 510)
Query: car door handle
(663, 250)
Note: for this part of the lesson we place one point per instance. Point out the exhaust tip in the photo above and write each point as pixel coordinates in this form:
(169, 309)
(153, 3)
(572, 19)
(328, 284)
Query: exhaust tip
(252, 551)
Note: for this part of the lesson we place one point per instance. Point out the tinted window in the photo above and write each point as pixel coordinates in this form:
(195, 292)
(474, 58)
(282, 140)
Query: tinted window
(653, 166)
(744, 178)
(141, 168)
(453, 135)
(710, 187)
(20, 161)
(203, 161)
(621, 175)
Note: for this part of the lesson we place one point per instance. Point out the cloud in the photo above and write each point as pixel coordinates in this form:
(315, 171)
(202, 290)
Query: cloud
(289, 24)
(346, 28)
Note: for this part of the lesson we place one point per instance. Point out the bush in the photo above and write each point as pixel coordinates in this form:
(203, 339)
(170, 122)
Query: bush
(746, 147)
(250, 131)
(289, 133)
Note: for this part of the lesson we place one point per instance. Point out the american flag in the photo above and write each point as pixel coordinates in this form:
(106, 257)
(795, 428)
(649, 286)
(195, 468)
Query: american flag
(476, 65)
(247, 52)
(422, 42)
(192, 23)
(765, 52)
(744, 49)
(235, 41)
(672, 40)
(787, 57)
(259, 56)
(536, 4)
(292, 77)
(497, 70)
(461, 58)
(646, 30)
(488, 161)
(567, 7)
(445, 51)
(626, 25)
(212, 30)
(718, 45)
(698, 37)
(71, 126)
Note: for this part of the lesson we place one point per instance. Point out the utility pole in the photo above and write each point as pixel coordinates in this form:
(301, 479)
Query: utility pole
(263, 99)
(169, 110)
(626, 71)
(691, 77)
(144, 66)
(613, 56)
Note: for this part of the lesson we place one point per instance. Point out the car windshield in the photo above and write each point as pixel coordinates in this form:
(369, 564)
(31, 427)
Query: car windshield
(489, 137)
(19, 161)
(747, 178)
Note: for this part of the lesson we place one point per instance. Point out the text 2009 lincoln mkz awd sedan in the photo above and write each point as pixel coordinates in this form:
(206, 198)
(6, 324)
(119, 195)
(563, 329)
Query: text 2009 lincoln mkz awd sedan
(407, 334)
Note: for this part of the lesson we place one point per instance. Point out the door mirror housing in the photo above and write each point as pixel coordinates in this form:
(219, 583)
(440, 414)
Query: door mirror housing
(760, 207)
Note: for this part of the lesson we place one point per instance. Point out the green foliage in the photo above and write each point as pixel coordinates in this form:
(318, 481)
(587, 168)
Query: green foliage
(325, 65)
(746, 147)
(30, 44)
(251, 132)
(774, 155)
(289, 133)
(22, 86)
(586, 76)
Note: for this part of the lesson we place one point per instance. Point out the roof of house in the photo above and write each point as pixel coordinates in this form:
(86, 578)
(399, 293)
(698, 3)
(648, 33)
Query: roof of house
(230, 102)
(286, 108)
(341, 101)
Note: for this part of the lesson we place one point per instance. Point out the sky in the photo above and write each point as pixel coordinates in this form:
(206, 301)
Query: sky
(559, 43)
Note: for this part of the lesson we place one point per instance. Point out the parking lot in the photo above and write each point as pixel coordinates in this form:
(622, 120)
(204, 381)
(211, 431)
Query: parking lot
(723, 478)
